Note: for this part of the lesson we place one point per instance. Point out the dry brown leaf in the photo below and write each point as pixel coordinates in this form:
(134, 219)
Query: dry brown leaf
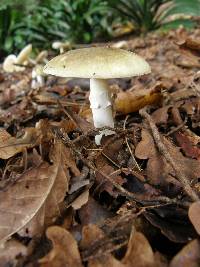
(104, 184)
(79, 121)
(139, 250)
(64, 252)
(191, 44)
(194, 215)
(91, 234)
(10, 146)
(42, 185)
(104, 163)
(188, 143)
(187, 61)
(188, 256)
(127, 102)
(160, 116)
(64, 162)
(35, 226)
(80, 200)
(10, 252)
(158, 170)
(20, 203)
(93, 213)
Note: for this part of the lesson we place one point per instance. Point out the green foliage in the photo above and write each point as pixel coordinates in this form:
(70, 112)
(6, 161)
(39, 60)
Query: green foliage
(11, 12)
(79, 21)
(149, 15)
(42, 21)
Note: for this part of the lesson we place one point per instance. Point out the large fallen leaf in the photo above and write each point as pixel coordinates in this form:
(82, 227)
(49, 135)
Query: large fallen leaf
(62, 157)
(63, 160)
(64, 252)
(20, 203)
(43, 185)
(127, 102)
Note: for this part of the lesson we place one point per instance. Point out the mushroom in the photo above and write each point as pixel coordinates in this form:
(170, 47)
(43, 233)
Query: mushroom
(9, 64)
(98, 64)
(38, 77)
(42, 57)
(24, 54)
(61, 46)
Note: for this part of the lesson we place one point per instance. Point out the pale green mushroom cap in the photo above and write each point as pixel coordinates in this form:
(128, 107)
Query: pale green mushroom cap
(97, 62)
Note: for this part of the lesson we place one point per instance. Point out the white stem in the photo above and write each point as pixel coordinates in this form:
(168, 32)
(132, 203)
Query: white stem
(101, 105)
(24, 54)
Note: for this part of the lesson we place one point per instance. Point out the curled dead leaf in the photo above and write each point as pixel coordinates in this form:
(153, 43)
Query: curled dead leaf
(65, 251)
(138, 251)
(10, 146)
(127, 102)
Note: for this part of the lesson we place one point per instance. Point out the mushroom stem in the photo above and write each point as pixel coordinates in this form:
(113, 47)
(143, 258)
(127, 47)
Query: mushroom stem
(101, 105)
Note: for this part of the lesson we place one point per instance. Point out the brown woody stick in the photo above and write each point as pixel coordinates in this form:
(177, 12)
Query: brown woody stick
(163, 150)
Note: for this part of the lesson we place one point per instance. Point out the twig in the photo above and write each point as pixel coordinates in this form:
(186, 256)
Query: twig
(176, 129)
(122, 190)
(129, 148)
(163, 150)
(101, 253)
(112, 161)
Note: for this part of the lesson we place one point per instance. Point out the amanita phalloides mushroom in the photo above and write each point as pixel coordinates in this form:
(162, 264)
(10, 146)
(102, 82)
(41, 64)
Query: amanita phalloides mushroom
(98, 64)
(10, 63)
(61, 46)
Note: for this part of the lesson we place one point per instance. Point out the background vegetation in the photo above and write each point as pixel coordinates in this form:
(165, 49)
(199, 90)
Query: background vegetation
(83, 21)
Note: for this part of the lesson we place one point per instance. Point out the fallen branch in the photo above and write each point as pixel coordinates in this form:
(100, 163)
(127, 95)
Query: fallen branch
(163, 150)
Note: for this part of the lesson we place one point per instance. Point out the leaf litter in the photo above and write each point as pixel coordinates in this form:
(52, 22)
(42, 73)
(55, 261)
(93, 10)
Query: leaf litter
(134, 201)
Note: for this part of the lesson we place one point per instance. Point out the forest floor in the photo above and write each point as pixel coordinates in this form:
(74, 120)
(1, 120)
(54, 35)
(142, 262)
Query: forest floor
(134, 200)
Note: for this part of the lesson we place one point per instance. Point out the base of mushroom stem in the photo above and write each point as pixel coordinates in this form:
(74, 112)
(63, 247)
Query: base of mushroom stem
(103, 117)
(99, 136)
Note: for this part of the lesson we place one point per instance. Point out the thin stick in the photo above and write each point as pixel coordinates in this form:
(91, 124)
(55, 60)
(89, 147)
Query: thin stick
(112, 161)
(163, 150)
(176, 129)
(122, 190)
(129, 148)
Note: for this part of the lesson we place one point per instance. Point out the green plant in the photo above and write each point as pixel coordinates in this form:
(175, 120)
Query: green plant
(41, 22)
(149, 15)
(11, 11)
(74, 20)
